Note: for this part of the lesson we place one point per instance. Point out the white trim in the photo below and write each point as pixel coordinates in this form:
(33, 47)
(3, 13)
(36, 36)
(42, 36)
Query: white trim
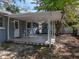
(2, 27)
(48, 30)
(2, 22)
(53, 33)
(15, 28)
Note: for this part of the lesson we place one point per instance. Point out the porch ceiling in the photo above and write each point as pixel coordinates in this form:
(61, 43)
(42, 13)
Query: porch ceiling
(38, 16)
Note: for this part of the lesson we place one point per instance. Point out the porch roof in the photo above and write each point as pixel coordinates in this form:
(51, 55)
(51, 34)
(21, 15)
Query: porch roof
(38, 16)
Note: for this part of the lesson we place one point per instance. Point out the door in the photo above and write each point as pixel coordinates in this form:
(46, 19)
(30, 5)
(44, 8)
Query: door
(16, 28)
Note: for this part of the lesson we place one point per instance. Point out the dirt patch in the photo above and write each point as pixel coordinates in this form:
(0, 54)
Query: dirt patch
(67, 45)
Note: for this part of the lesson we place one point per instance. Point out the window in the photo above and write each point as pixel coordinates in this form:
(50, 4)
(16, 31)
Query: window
(16, 25)
(1, 22)
(29, 25)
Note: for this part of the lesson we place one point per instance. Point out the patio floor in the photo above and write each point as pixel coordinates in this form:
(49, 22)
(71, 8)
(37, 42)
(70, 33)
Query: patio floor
(37, 40)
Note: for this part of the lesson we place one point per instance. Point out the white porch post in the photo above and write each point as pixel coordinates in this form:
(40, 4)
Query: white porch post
(48, 30)
(31, 31)
(53, 32)
(8, 37)
(49, 39)
(40, 27)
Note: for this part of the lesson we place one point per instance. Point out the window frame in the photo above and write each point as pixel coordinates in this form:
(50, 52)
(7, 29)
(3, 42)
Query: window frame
(2, 27)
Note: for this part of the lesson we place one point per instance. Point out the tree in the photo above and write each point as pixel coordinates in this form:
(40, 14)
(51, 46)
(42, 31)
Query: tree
(9, 5)
(13, 9)
(68, 8)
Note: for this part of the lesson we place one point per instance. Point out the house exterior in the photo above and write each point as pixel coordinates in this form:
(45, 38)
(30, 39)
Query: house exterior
(4, 28)
(22, 26)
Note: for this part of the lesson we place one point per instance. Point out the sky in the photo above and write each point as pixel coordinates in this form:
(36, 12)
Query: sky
(27, 5)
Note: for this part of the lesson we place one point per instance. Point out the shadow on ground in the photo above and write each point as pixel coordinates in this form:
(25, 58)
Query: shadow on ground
(22, 51)
(66, 47)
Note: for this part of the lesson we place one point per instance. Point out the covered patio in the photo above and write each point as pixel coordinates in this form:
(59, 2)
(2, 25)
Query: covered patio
(39, 18)
(38, 40)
